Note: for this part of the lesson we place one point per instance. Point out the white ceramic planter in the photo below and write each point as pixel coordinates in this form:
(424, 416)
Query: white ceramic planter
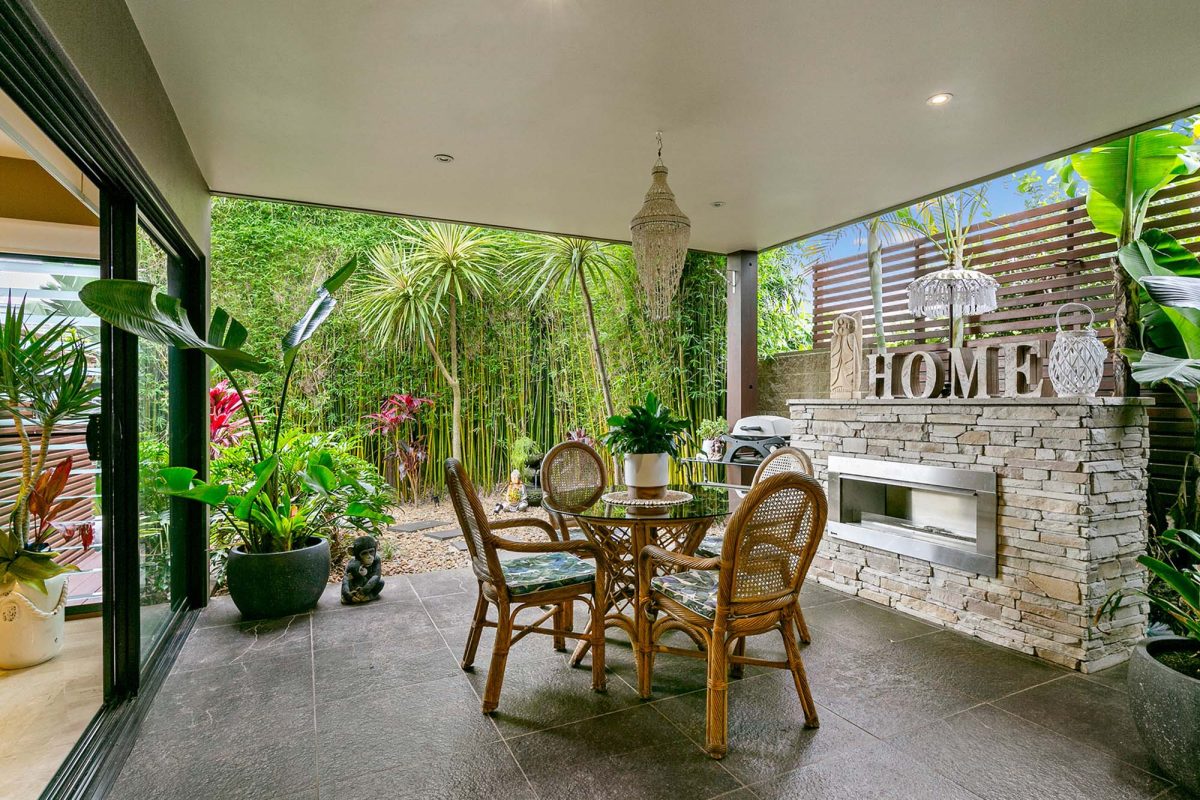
(647, 474)
(31, 623)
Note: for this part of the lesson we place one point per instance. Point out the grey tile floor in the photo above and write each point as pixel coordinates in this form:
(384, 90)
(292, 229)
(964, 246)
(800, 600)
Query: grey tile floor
(369, 702)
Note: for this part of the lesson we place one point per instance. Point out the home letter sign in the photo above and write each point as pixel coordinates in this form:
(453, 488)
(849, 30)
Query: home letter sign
(974, 372)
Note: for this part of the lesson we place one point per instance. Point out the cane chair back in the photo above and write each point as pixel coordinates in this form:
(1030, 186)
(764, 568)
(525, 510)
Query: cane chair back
(770, 542)
(784, 459)
(473, 520)
(573, 476)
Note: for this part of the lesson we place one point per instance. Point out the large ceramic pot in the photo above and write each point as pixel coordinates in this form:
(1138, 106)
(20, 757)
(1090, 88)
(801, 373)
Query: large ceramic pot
(1166, 708)
(647, 474)
(31, 623)
(266, 585)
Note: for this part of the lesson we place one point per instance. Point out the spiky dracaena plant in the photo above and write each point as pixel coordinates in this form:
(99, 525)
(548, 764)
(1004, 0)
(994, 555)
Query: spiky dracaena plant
(414, 287)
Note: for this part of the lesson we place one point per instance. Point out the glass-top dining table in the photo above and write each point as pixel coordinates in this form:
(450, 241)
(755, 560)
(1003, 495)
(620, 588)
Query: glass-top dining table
(621, 530)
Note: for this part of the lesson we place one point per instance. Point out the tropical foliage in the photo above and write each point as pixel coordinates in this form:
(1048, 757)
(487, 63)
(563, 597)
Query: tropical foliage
(1123, 176)
(289, 499)
(415, 288)
(545, 265)
(525, 370)
(44, 381)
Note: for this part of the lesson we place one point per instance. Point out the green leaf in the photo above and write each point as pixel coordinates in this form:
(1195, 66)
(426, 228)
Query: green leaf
(1152, 368)
(134, 307)
(1159, 156)
(317, 313)
(359, 509)
(263, 471)
(180, 483)
(1185, 584)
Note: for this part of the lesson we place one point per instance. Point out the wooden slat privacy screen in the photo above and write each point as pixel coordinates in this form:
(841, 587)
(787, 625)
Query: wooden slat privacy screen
(1041, 258)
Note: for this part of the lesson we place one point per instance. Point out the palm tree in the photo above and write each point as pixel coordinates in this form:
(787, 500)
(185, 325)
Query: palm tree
(421, 280)
(550, 264)
(880, 230)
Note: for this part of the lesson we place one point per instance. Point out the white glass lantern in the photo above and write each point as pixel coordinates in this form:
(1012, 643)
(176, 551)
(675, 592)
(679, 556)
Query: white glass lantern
(1077, 357)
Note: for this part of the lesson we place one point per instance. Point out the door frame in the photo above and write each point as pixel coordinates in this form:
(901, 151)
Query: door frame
(39, 78)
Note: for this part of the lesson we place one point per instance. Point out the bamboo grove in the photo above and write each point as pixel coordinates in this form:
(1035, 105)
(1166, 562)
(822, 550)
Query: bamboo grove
(526, 371)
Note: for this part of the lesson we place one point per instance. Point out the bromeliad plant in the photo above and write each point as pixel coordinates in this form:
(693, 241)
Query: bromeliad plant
(44, 381)
(648, 428)
(283, 504)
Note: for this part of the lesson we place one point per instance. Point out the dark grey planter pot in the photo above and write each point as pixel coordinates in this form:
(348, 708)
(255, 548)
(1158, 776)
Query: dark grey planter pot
(265, 585)
(1166, 709)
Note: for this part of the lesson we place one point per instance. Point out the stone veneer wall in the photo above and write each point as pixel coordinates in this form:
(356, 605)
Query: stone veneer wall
(786, 375)
(1071, 477)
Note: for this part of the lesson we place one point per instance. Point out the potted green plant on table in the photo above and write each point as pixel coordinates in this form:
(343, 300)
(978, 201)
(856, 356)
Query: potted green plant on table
(648, 437)
(282, 513)
(44, 381)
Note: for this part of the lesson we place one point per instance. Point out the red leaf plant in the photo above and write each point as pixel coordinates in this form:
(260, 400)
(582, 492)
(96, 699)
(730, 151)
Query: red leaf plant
(407, 454)
(43, 507)
(227, 420)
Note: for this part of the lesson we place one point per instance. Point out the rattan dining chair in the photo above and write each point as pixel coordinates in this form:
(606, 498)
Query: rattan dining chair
(784, 459)
(750, 589)
(553, 574)
(573, 476)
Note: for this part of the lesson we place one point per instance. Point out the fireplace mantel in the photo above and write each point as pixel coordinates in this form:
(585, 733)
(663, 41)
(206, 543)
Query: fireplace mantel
(1071, 477)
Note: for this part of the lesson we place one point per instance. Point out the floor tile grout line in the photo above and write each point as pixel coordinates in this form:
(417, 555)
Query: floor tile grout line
(741, 783)
(312, 666)
(474, 691)
(1096, 750)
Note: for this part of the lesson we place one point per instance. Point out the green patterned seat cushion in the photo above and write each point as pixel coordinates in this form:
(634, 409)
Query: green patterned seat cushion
(695, 590)
(710, 546)
(545, 571)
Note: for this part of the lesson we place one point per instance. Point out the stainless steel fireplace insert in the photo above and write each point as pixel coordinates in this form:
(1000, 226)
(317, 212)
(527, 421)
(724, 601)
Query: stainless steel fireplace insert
(939, 514)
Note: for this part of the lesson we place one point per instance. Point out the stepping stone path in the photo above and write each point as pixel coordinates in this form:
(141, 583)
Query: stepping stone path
(441, 536)
(459, 544)
(419, 525)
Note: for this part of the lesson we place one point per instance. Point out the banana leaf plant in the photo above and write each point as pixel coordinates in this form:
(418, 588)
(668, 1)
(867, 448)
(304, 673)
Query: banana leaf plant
(1168, 334)
(284, 504)
(1123, 176)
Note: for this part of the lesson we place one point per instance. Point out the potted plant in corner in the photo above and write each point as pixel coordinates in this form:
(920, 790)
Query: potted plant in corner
(710, 432)
(287, 510)
(1164, 671)
(43, 381)
(648, 436)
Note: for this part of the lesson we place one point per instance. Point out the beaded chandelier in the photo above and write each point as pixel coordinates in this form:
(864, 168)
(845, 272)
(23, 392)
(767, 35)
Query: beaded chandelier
(952, 292)
(660, 233)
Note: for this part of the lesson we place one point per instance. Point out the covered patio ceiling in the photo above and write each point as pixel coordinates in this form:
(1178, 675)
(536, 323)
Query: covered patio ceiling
(797, 116)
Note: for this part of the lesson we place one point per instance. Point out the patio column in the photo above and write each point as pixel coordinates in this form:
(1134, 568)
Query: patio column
(741, 297)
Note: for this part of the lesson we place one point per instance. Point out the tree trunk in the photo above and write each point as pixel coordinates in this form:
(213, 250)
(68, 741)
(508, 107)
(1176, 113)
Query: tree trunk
(596, 353)
(455, 388)
(875, 268)
(1125, 320)
(1125, 315)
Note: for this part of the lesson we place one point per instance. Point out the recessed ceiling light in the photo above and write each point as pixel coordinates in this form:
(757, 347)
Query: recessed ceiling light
(717, 203)
(443, 158)
(939, 99)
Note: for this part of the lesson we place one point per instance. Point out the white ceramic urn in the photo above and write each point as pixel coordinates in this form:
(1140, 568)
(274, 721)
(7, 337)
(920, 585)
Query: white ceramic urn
(32, 623)
(647, 474)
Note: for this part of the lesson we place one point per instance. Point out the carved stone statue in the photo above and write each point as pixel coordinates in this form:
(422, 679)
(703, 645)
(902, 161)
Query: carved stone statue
(364, 573)
(516, 498)
(845, 358)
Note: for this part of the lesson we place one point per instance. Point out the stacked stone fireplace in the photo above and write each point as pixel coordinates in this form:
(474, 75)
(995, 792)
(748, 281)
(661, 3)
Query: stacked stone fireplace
(1070, 516)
